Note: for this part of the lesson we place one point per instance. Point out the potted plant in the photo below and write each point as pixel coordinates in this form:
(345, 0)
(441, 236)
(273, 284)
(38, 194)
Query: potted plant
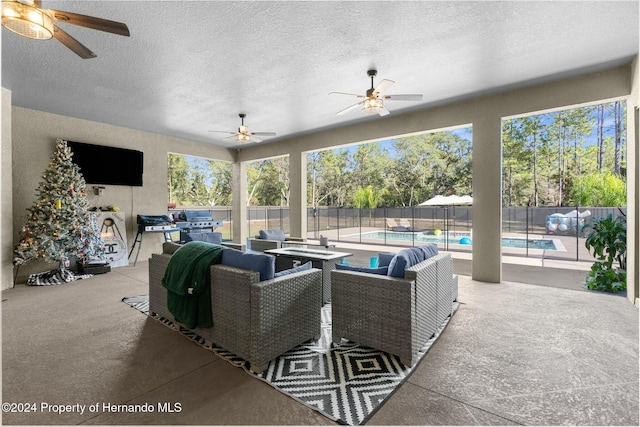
(608, 244)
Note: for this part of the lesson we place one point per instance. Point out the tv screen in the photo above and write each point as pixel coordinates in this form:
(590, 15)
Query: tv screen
(108, 165)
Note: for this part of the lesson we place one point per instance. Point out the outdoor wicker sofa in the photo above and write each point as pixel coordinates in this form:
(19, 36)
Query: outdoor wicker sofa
(271, 239)
(256, 320)
(393, 314)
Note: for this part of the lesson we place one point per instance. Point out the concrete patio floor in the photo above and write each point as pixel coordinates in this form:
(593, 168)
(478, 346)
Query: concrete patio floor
(514, 353)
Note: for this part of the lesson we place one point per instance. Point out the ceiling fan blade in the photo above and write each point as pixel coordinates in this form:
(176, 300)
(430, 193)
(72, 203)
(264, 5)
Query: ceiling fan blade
(383, 112)
(348, 94)
(346, 110)
(407, 97)
(222, 131)
(230, 136)
(254, 139)
(383, 86)
(90, 22)
(264, 133)
(73, 44)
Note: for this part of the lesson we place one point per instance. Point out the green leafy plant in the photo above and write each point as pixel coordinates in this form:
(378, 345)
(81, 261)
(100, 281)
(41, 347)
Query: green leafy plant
(598, 189)
(608, 244)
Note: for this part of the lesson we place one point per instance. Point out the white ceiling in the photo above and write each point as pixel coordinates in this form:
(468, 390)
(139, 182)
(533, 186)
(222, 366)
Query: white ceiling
(192, 66)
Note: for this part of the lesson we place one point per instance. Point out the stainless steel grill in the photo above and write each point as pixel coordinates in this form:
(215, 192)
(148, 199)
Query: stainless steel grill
(154, 223)
(200, 221)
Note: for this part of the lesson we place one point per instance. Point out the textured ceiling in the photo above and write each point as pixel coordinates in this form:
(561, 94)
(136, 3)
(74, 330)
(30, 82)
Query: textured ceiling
(192, 66)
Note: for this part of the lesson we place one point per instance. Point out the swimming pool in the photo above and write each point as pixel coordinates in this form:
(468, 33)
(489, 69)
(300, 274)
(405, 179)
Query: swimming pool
(507, 242)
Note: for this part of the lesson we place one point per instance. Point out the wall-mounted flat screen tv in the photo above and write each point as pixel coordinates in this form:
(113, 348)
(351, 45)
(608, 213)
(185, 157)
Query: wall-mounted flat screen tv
(100, 164)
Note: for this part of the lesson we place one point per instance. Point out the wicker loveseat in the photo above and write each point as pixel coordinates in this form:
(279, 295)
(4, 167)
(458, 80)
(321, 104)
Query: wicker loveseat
(256, 320)
(397, 315)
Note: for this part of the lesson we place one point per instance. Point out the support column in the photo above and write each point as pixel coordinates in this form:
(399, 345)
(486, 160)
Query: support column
(633, 203)
(6, 190)
(298, 194)
(487, 200)
(239, 203)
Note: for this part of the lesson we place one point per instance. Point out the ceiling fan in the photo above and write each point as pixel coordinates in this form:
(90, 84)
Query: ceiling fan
(373, 101)
(243, 134)
(29, 19)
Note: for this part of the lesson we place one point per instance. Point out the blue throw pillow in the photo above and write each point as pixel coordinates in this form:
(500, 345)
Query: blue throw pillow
(384, 259)
(397, 265)
(409, 257)
(272, 235)
(380, 270)
(262, 263)
(303, 267)
(403, 260)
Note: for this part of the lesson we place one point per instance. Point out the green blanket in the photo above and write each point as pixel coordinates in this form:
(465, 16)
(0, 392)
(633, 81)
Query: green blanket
(188, 283)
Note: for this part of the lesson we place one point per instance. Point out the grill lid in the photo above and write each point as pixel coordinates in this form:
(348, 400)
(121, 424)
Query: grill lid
(196, 216)
(149, 220)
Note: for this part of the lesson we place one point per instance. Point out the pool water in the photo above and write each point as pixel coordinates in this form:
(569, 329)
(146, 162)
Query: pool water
(507, 242)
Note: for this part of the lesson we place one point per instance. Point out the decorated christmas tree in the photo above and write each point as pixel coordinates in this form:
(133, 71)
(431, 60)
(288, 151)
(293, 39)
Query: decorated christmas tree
(59, 224)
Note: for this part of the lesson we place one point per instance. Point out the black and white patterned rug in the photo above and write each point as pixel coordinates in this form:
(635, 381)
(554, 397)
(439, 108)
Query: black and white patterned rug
(346, 383)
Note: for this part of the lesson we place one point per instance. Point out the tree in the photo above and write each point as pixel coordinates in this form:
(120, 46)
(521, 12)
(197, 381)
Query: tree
(414, 160)
(544, 155)
(430, 164)
(199, 192)
(368, 197)
(199, 182)
(59, 224)
(369, 165)
(514, 156)
(328, 177)
(600, 127)
(268, 182)
(533, 130)
(221, 190)
(179, 182)
(567, 132)
(618, 124)
(598, 189)
(451, 164)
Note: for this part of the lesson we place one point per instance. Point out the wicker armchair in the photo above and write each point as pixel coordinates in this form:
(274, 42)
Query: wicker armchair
(395, 315)
(257, 321)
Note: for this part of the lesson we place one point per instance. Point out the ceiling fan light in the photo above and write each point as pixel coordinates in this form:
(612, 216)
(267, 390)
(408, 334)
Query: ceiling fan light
(372, 105)
(26, 20)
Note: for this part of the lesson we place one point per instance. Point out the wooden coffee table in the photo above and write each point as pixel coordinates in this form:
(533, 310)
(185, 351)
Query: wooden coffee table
(322, 259)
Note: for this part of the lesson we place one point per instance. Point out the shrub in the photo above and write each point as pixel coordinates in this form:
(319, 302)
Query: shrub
(608, 241)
